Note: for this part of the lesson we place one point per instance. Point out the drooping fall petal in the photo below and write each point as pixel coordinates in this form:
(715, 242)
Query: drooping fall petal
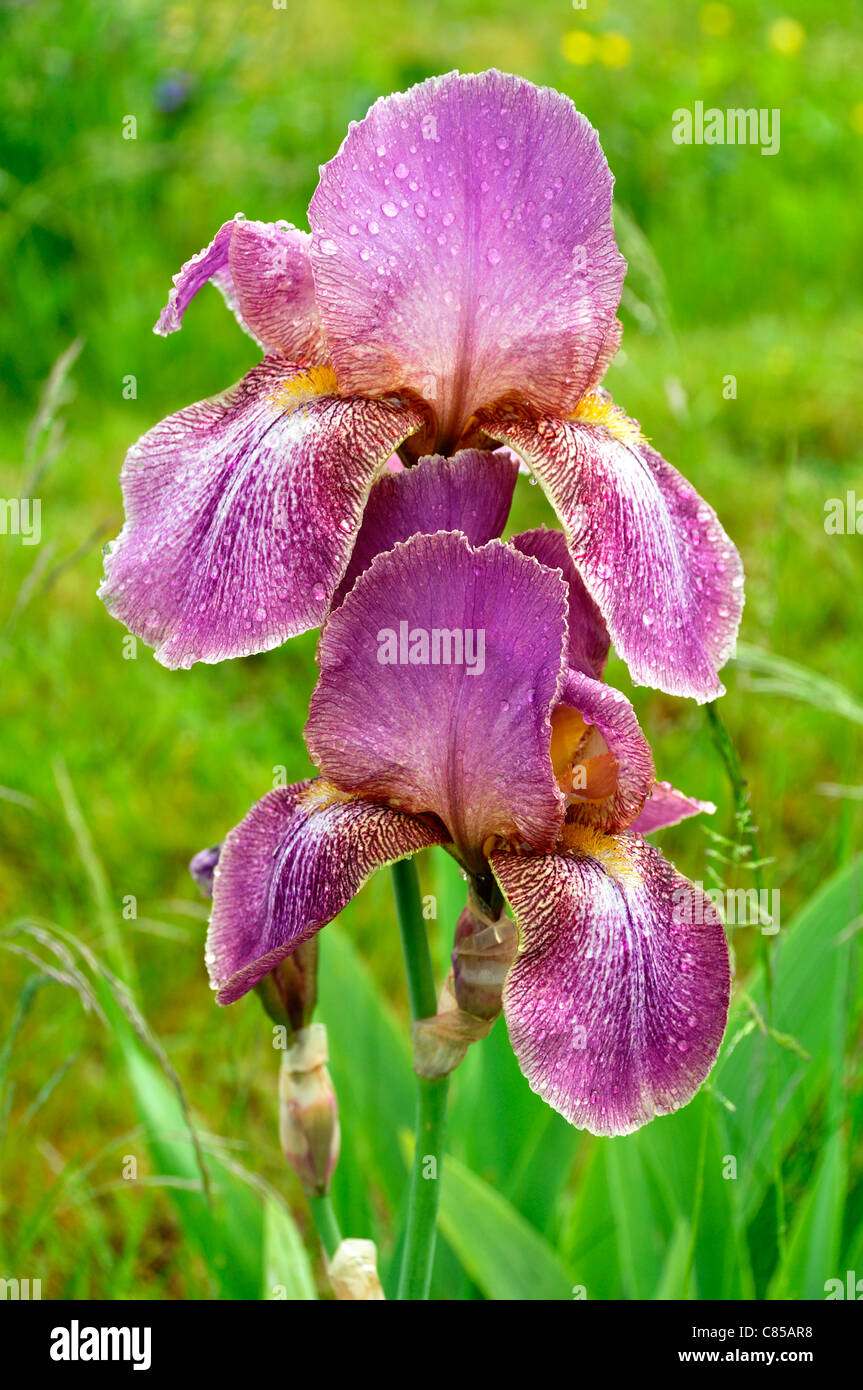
(241, 513)
(617, 1001)
(296, 860)
(463, 247)
(438, 674)
(652, 554)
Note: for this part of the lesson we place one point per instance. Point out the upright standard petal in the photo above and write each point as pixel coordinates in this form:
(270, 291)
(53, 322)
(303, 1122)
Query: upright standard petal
(471, 492)
(241, 513)
(290, 867)
(588, 635)
(264, 272)
(438, 675)
(463, 247)
(618, 999)
(652, 554)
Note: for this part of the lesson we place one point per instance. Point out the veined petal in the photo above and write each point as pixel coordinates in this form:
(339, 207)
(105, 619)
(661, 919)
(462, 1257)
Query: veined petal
(667, 806)
(588, 635)
(264, 272)
(463, 247)
(608, 714)
(652, 554)
(438, 674)
(241, 513)
(618, 1000)
(471, 492)
(290, 867)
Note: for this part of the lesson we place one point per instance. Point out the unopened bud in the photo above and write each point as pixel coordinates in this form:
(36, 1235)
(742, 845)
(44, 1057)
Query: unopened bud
(308, 1111)
(485, 948)
(202, 868)
(353, 1272)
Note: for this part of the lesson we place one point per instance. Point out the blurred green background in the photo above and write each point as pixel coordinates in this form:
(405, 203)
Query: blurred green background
(114, 770)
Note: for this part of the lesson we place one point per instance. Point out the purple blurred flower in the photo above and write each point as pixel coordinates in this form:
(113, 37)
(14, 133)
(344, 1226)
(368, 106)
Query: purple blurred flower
(459, 290)
(202, 868)
(534, 774)
(172, 91)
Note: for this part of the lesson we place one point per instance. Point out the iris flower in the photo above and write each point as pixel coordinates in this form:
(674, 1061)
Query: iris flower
(534, 774)
(458, 290)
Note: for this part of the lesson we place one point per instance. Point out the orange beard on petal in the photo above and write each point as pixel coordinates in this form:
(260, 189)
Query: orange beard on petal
(613, 852)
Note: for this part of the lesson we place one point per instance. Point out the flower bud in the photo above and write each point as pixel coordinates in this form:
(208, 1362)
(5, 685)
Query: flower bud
(203, 866)
(353, 1272)
(308, 1110)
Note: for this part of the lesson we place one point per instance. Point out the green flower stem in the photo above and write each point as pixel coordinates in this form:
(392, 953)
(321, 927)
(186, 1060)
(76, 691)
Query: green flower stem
(326, 1224)
(421, 1232)
(743, 817)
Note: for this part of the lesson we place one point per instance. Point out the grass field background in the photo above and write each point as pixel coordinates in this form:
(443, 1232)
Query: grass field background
(114, 770)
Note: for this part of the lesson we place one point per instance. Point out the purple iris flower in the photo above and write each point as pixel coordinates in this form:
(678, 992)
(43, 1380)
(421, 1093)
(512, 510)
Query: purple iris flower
(458, 290)
(526, 766)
